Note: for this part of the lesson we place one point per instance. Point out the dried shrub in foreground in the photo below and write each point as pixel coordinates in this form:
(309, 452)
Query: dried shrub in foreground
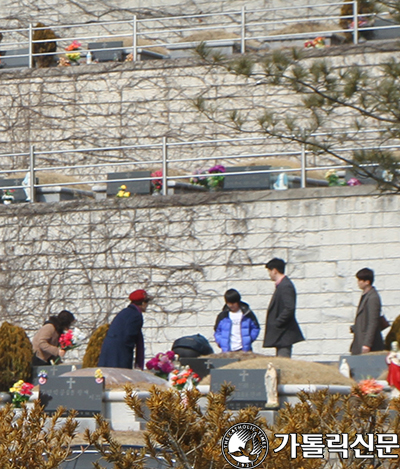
(93, 348)
(15, 355)
(34, 440)
(178, 430)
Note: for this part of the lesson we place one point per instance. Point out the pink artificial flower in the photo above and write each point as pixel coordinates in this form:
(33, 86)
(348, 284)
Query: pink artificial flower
(353, 182)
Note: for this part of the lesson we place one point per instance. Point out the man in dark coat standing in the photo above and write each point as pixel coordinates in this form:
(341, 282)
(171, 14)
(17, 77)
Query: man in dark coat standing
(282, 329)
(366, 329)
(125, 334)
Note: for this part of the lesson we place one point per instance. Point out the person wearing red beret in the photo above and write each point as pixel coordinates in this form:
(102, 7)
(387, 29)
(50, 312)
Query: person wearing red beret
(125, 335)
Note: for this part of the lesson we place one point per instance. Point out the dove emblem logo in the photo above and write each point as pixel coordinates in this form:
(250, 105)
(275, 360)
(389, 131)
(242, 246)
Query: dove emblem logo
(245, 445)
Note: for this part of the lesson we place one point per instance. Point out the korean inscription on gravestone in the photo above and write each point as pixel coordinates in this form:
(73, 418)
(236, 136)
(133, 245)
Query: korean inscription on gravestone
(249, 387)
(82, 394)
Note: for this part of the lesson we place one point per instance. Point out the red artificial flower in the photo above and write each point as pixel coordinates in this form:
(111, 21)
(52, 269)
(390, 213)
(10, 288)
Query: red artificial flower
(26, 389)
(73, 46)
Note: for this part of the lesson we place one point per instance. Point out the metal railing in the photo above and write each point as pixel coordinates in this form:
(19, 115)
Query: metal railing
(165, 155)
(243, 27)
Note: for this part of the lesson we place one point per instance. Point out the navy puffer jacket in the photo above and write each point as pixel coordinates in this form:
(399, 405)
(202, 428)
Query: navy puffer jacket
(249, 328)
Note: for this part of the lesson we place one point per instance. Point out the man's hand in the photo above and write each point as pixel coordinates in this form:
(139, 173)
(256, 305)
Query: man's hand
(61, 353)
(365, 349)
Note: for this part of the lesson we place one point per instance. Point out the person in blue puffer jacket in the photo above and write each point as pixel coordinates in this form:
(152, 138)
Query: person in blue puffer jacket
(236, 327)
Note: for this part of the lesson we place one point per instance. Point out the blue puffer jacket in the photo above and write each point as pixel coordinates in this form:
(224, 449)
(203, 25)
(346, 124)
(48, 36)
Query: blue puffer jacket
(249, 328)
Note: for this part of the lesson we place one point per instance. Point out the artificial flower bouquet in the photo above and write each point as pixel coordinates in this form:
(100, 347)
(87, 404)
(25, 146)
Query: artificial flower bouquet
(370, 387)
(162, 364)
(69, 340)
(211, 178)
(72, 55)
(317, 43)
(157, 181)
(184, 379)
(21, 392)
(122, 192)
(7, 196)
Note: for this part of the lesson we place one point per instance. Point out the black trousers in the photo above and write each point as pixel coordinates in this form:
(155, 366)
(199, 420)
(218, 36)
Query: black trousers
(36, 361)
(284, 351)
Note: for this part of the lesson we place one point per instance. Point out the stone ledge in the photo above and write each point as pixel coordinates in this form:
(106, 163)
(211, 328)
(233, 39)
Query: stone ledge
(194, 199)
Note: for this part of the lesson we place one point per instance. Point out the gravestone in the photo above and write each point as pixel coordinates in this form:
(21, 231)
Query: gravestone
(18, 194)
(134, 187)
(365, 366)
(52, 371)
(106, 51)
(393, 31)
(203, 366)
(82, 394)
(245, 181)
(249, 387)
(14, 62)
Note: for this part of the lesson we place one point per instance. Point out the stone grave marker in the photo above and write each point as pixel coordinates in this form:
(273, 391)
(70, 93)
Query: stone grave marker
(106, 51)
(22, 59)
(249, 387)
(18, 194)
(365, 366)
(134, 187)
(83, 394)
(203, 366)
(52, 371)
(246, 181)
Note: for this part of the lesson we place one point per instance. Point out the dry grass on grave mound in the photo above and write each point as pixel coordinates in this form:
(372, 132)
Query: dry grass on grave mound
(123, 438)
(217, 35)
(139, 386)
(293, 371)
(48, 177)
(306, 27)
(128, 42)
(282, 163)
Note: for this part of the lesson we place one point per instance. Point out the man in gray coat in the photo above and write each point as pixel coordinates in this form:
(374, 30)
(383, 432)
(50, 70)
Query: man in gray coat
(367, 327)
(282, 329)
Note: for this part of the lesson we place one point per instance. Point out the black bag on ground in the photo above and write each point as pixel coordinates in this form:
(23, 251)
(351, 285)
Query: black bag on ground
(192, 346)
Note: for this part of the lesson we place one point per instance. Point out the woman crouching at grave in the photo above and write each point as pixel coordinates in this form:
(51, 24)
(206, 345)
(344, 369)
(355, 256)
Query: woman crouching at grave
(45, 341)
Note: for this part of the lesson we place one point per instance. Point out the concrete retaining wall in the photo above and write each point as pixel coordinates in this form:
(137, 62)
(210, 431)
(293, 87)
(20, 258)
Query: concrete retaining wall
(188, 250)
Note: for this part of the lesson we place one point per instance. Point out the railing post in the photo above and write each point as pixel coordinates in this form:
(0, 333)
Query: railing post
(303, 166)
(32, 178)
(164, 166)
(134, 39)
(243, 31)
(30, 46)
(355, 22)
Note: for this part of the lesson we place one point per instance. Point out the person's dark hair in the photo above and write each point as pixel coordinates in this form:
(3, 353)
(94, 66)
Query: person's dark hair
(366, 274)
(278, 264)
(232, 296)
(140, 302)
(62, 321)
